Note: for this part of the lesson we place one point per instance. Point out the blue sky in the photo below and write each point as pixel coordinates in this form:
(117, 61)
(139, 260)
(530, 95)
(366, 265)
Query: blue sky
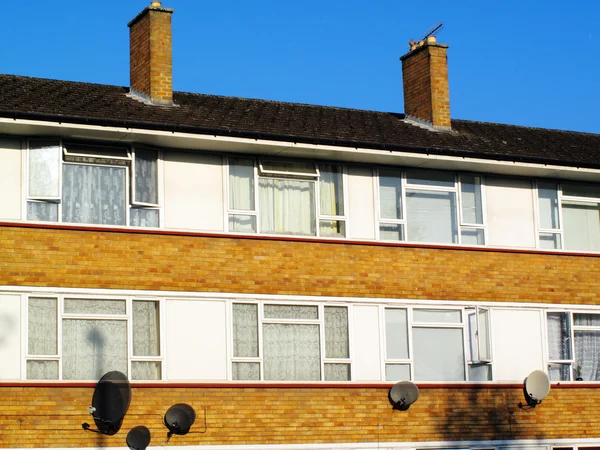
(532, 63)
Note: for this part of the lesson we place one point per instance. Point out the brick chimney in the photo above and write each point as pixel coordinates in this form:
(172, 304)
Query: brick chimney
(150, 55)
(425, 77)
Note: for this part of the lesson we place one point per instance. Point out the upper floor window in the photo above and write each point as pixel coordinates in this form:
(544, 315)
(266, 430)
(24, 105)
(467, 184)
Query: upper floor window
(430, 206)
(437, 344)
(290, 342)
(73, 338)
(568, 216)
(105, 185)
(277, 197)
(573, 343)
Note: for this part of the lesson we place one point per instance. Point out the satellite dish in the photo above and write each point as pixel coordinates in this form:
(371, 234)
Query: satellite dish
(403, 394)
(179, 419)
(138, 438)
(110, 403)
(535, 387)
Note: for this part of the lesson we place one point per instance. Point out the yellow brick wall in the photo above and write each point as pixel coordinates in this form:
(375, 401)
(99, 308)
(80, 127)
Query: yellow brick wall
(257, 415)
(124, 260)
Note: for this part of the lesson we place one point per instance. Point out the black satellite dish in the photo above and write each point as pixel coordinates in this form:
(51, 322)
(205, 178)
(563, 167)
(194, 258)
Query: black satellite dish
(403, 394)
(179, 419)
(535, 388)
(110, 403)
(138, 438)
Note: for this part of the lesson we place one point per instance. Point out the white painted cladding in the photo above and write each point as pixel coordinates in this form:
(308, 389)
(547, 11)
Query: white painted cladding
(510, 212)
(367, 353)
(361, 214)
(196, 341)
(11, 157)
(193, 191)
(518, 345)
(10, 337)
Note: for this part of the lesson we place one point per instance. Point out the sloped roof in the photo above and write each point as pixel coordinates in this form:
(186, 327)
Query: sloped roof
(74, 102)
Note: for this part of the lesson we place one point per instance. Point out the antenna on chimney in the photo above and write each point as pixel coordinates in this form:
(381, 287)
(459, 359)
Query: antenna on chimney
(430, 37)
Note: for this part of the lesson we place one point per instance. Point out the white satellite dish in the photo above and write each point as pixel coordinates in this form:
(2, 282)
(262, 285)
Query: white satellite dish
(403, 394)
(536, 387)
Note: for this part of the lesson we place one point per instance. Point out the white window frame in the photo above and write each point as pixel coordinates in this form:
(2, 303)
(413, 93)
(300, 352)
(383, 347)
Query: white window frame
(129, 168)
(61, 315)
(457, 189)
(262, 320)
(411, 324)
(560, 198)
(282, 175)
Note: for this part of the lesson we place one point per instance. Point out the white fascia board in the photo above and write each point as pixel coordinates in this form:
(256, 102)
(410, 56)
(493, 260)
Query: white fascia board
(219, 144)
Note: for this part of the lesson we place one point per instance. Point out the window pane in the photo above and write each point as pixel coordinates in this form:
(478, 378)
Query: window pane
(44, 166)
(485, 351)
(42, 211)
(246, 371)
(472, 211)
(331, 190)
(391, 231)
(289, 167)
(559, 372)
(93, 194)
(397, 372)
(291, 312)
(550, 241)
(559, 336)
(336, 332)
(291, 352)
(587, 355)
(480, 372)
(245, 330)
(581, 226)
(287, 206)
(93, 347)
(42, 327)
(479, 343)
(241, 184)
(94, 306)
(430, 178)
(581, 189)
(146, 332)
(431, 216)
(437, 315)
(242, 224)
(144, 217)
(332, 228)
(396, 334)
(587, 320)
(337, 372)
(146, 176)
(472, 236)
(390, 194)
(438, 354)
(42, 370)
(548, 202)
(145, 370)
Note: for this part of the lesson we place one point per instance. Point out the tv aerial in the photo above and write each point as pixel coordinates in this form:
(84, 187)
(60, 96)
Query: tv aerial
(429, 37)
(179, 418)
(535, 388)
(110, 402)
(402, 395)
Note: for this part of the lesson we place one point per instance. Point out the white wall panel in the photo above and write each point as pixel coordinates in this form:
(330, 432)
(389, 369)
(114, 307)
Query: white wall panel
(517, 343)
(510, 212)
(10, 179)
(193, 191)
(196, 340)
(361, 204)
(367, 354)
(10, 337)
